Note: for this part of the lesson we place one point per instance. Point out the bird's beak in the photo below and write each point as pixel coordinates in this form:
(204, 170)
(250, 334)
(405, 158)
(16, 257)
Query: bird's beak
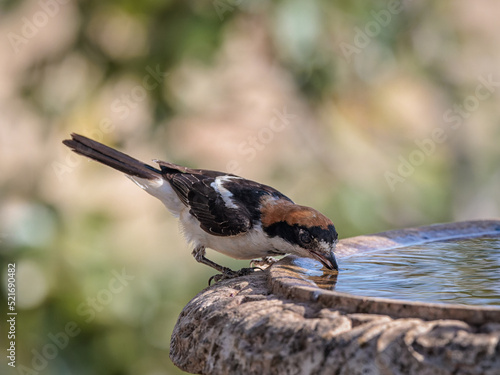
(333, 261)
(329, 261)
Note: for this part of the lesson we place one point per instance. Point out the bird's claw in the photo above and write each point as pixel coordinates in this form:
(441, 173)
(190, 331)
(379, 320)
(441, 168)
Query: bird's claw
(230, 274)
(264, 262)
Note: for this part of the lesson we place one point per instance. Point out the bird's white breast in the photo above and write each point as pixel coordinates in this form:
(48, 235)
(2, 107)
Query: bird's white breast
(249, 245)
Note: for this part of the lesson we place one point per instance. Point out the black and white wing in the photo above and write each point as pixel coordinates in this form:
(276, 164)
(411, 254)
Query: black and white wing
(224, 204)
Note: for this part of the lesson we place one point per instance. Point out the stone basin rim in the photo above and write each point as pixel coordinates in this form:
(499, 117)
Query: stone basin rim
(284, 281)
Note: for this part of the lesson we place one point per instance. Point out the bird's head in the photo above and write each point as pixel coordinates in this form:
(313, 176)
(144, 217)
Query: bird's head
(301, 231)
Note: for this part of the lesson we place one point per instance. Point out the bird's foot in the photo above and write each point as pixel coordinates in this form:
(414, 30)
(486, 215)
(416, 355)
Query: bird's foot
(230, 274)
(264, 262)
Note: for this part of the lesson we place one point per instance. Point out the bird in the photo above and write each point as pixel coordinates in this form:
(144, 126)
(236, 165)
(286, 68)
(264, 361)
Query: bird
(232, 215)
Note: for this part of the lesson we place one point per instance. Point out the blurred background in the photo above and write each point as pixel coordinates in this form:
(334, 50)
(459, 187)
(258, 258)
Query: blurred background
(381, 114)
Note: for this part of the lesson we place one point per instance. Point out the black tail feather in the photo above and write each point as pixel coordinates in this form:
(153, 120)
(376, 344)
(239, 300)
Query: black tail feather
(111, 157)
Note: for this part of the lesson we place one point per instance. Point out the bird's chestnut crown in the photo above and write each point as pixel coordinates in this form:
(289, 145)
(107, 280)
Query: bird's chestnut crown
(297, 224)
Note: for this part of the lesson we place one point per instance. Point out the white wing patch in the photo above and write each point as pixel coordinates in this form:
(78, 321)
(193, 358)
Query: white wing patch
(225, 194)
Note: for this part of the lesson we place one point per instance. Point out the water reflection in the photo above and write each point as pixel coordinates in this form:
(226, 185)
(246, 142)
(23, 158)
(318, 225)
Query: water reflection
(314, 271)
(463, 271)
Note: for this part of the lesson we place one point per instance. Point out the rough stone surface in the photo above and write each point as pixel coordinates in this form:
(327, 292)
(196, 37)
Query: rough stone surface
(238, 327)
(281, 322)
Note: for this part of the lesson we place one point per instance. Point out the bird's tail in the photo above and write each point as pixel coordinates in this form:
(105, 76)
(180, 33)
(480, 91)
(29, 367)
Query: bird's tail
(111, 157)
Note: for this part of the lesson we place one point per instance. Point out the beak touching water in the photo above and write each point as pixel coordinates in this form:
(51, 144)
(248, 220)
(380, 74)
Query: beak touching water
(329, 261)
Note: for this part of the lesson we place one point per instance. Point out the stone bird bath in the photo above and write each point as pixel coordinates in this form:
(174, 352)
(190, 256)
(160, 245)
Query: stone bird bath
(282, 321)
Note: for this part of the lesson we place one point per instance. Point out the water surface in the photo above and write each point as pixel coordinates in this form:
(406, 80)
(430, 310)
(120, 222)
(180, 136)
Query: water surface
(458, 271)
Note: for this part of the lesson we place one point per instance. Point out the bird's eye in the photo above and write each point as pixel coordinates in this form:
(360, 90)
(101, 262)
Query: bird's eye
(304, 237)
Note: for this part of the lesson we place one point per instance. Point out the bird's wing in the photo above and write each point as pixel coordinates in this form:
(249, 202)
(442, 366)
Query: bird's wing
(224, 204)
(196, 189)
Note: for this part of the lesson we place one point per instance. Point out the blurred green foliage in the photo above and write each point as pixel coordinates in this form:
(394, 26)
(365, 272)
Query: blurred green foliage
(364, 87)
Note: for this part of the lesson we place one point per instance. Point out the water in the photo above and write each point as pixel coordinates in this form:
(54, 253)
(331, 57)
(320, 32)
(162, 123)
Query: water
(460, 272)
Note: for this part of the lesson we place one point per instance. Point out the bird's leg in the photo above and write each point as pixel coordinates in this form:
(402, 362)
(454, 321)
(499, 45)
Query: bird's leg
(199, 255)
(225, 273)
